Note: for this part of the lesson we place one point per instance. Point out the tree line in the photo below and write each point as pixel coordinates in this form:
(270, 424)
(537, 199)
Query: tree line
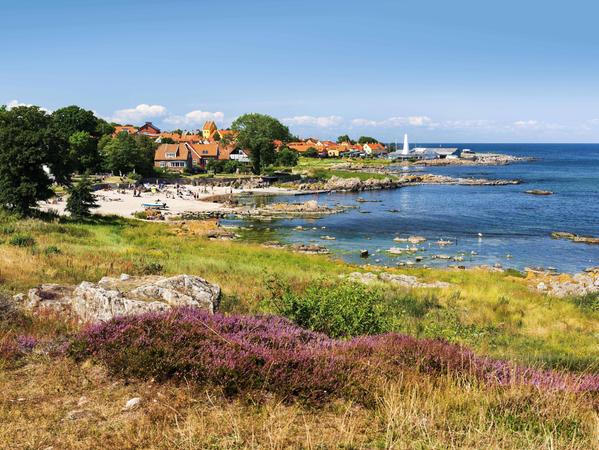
(38, 148)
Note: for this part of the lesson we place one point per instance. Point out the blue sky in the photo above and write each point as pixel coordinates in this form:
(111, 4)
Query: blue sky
(473, 71)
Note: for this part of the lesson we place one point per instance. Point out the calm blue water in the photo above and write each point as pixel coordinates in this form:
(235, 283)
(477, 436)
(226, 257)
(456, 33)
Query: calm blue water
(512, 222)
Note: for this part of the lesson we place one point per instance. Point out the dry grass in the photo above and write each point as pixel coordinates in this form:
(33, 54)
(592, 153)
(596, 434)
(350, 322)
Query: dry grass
(412, 413)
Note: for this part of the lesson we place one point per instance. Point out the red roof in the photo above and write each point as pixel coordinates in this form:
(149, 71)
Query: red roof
(172, 152)
(200, 151)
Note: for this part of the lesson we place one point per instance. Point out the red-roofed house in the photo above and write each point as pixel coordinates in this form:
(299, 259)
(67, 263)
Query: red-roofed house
(129, 129)
(374, 149)
(149, 129)
(176, 157)
(201, 153)
(300, 147)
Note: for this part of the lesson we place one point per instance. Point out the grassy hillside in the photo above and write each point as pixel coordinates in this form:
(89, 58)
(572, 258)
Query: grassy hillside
(495, 314)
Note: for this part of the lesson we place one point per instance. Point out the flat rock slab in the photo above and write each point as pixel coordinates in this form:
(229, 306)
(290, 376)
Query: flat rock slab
(408, 281)
(124, 296)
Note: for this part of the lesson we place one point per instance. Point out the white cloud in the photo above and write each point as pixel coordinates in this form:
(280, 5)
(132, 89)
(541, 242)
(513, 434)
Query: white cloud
(468, 123)
(526, 124)
(364, 123)
(138, 114)
(196, 117)
(322, 122)
(14, 103)
(398, 121)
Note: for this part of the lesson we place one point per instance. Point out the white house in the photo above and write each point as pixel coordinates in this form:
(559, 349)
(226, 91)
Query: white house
(240, 155)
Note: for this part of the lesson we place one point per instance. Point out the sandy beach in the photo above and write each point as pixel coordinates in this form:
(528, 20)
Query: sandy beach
(122, 202)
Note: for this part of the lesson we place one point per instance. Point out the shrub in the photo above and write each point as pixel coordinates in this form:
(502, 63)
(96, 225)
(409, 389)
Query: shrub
(52, 250)
(152, 268)
(135, 176)
(343, 310)
(257, 354)
(81, 198)
(8, 229)
(22, 240)
(588, 302)
(14, 347)
(287, 157)
(140, 215)
(311, 153)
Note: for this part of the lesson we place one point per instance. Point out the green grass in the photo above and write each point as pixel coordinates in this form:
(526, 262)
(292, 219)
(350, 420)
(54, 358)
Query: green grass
(495, 313)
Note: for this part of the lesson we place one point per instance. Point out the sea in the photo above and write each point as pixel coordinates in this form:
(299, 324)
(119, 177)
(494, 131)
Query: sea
(486, 225)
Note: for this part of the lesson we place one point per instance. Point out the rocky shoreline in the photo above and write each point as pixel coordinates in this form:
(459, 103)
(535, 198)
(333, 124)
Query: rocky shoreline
(575, 237)
(338, 184)
(563, 284)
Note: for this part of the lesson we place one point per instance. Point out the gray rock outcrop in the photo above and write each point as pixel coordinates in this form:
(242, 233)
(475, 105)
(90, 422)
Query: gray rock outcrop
(408, 281)
(124, 296)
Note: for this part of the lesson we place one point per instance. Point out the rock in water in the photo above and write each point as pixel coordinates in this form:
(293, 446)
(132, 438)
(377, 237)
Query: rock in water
(124, 296)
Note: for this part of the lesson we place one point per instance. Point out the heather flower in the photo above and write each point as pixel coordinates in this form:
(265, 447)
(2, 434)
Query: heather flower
(271, 354)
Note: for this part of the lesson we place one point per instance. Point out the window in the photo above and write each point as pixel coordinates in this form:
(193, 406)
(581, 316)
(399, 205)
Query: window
(171, 154)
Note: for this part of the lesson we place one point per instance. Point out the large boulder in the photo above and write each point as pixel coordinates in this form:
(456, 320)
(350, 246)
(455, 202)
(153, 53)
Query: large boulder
(124, 296)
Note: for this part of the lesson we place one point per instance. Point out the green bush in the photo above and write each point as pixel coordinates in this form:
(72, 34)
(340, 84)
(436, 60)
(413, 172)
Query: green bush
(22, 240)
(588, 302)
(52, 250)
(152, 268)
(311, 153)
(135, 176)
(287, 157)
(343, 310)
(224, 166)
(8, 229)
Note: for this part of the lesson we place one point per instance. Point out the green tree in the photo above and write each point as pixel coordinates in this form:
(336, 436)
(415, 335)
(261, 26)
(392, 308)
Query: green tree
(65, 122)
(166, 140)
(121, 154)
(256, 132)
(103, 128)
(83, 148)
(344, 138)
(146, 150)
(26, 148)
(125, 154)
(287, 157)
(311, 153)
(367, 140)
(81, 199)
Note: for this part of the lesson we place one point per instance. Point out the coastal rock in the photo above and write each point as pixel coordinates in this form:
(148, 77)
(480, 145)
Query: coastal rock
(563, 285)
(443, 179)
(538, 192)
(222, 235)
(408, 281)
(355, 184)
(112, 297)
(575, 237)
(310, 208)
(311, 249)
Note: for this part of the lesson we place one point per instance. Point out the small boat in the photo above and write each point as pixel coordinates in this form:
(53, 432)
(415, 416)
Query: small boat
(154, 205)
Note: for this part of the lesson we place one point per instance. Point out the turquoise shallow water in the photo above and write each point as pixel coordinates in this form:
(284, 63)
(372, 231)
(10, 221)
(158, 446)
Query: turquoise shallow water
(511, 222)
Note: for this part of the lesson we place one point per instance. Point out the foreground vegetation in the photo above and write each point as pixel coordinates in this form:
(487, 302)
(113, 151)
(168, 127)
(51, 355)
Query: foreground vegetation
(495, 314)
